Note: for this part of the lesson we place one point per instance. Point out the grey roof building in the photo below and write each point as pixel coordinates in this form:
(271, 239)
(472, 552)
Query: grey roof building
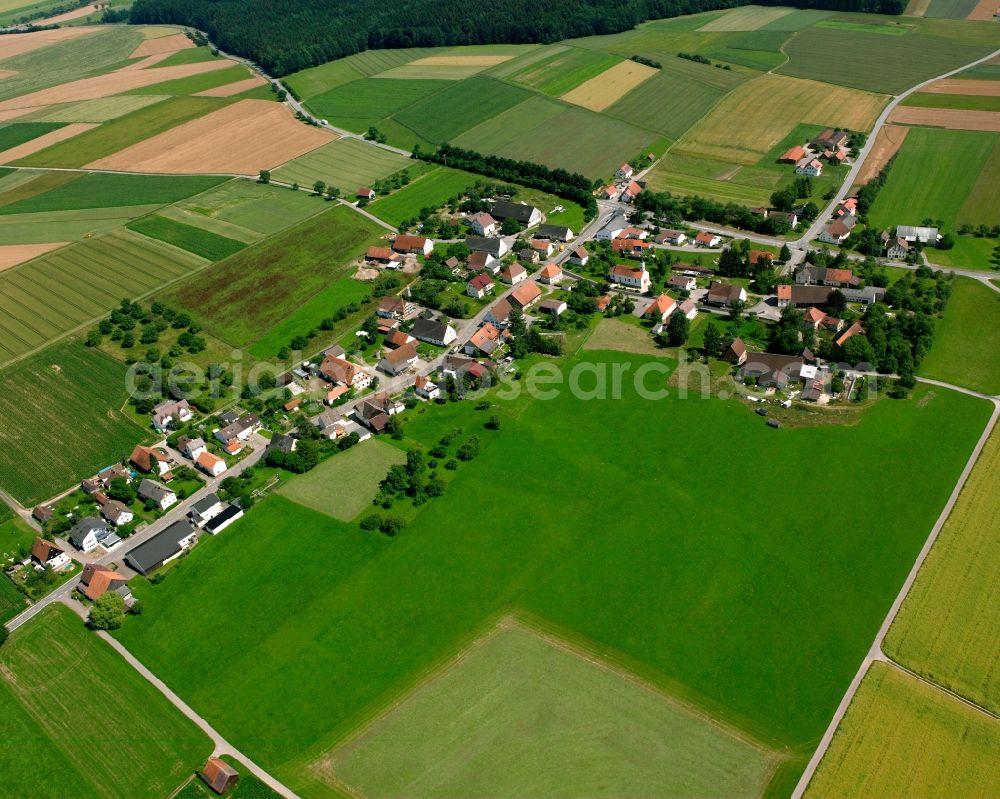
(162, 547)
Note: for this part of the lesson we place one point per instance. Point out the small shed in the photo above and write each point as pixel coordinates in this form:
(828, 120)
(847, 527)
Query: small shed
(219, 775)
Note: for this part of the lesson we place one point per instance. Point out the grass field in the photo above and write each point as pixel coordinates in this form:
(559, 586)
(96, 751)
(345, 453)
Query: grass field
(983, 202)
(47, 446)
(123, 132)
(193, 239)
(372, 97)
(564, 70)
(53, 671)
(518, 714)
(344, 485)
(100, 110)
(709, 179)
(427, 191)
(344, 163)
(193, 84)
(902, 738)
(718, 637)
(463, 105)
(946, 629)
(768, 108)
(45, 227)
(15, 133)
(248, 294)
(324, 78)
(950, 9)
(102, 190)
(52, 295)
(971, 102)
(933, 174)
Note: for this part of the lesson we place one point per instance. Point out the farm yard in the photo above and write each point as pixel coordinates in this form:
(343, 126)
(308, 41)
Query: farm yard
(557, 570)
(944, 630)
(67, 397)
(47, 667)
(902, 737)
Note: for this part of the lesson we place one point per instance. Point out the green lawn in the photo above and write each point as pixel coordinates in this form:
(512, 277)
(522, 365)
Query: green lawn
(580, 553)
(344, 163)
(931, 177)
(124, 131)
(521, 716)
(373, 97)
(66, 696)
(201, 242)
(251, 292)
(59, 420)
(191, 55)
(902, 738)
(966, 348)
(344, 485)
(428, 191)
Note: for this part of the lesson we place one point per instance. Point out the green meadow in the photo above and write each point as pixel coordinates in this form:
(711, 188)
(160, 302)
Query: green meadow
(188, 237)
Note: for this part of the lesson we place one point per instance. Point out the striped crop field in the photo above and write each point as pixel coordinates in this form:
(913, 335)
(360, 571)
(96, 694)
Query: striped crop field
(52, 295)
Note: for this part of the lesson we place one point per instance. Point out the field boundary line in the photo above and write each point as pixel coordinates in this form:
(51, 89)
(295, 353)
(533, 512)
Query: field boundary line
(943, 689)
(875, 652)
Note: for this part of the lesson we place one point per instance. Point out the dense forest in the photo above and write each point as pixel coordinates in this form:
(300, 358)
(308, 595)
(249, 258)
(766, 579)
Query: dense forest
(284, 36)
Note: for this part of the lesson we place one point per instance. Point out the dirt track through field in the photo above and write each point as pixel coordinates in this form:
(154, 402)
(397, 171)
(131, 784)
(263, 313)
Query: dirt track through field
(14, 254)
(233, 88)
(164, 44)
(983, 12)
(887, 144)
(45, 140)
(242, 138)
(112, 83)
(983, 88)
(947, 118)
(611, 85)
(17, 43)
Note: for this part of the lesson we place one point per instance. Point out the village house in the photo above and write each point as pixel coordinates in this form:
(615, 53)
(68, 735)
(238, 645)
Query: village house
(612, 229)
(674, 238)
(499, 313)
(399, 360)
(49, 556)
(854, 330)
(809, 166)
(191, 447)
(661, 308)
(706, 239)
(147, 459)
(496, 247)
(609, 192)
(374, 413)
(813, 317)
(382, 255)
(830, 139)
(689, 308)
(603, 302)
(736, 352)
(925, 235)
(525, 295)
(632, 248)
(772, 370)
(240, 430)
(118, 513)
(579, 256)
(528, 256)
(433, 331)
(551, 274)
(527, 215)
(162, 548)
(218, 775)
(211, 464)
(838, 231)
(554, 232)
(415, 245)
(624, 172)
(824, 276)
(365, 193)
(425, 388)
(338, 370)
(792, 155)
(206, 508)
(159, 494)
(171, 412)
(790, 217)
(96, 581)
(631, 191)
(482, 224)
(799, 296)
(543, 247)
(848, 207)
(479, 286)
(90, 532)
(397, 338)
(282, 442)
(682, 282)
(631, 277)
(514, 274)
(487, 340)
(760, 258)
(42, 513)
(230, 513)
(398, 308)
(552, 307)
(482, 261)
(725, 294)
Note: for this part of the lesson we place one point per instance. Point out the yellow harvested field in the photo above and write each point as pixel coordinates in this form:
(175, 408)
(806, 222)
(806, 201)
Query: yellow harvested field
(45, 140)
(610, 86)
(164, 44)
(951, 118)
(69, 16)
(157, 31)
(887, 144)
(242, 138)
(14, 254)
(984, 10)
(758, 114)
(460, 61)
(233, 88)
(982, 88)
(109, 84)
(748, 18)
(12, 45)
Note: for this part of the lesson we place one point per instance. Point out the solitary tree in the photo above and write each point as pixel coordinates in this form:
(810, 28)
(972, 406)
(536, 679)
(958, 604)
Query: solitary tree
(318, 187)
(108, 612)
(713, 341)
(264, 177)
(677, 330)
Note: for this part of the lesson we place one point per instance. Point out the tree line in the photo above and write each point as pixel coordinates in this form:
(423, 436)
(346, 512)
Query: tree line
(284, 36)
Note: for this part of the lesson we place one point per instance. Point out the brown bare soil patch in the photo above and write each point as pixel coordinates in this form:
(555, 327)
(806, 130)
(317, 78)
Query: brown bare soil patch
(14, 113)
(45, 140)
(16, 43)
(164, 44)
(947, 118)
(233, 88)
(461, 60)
(242, 138)
(69, 16)
(889, 140)
(612, 84)
(982, 88)
(112, 83)
(148, 61)
(983, 12)
(14, 254)
(6, 73)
